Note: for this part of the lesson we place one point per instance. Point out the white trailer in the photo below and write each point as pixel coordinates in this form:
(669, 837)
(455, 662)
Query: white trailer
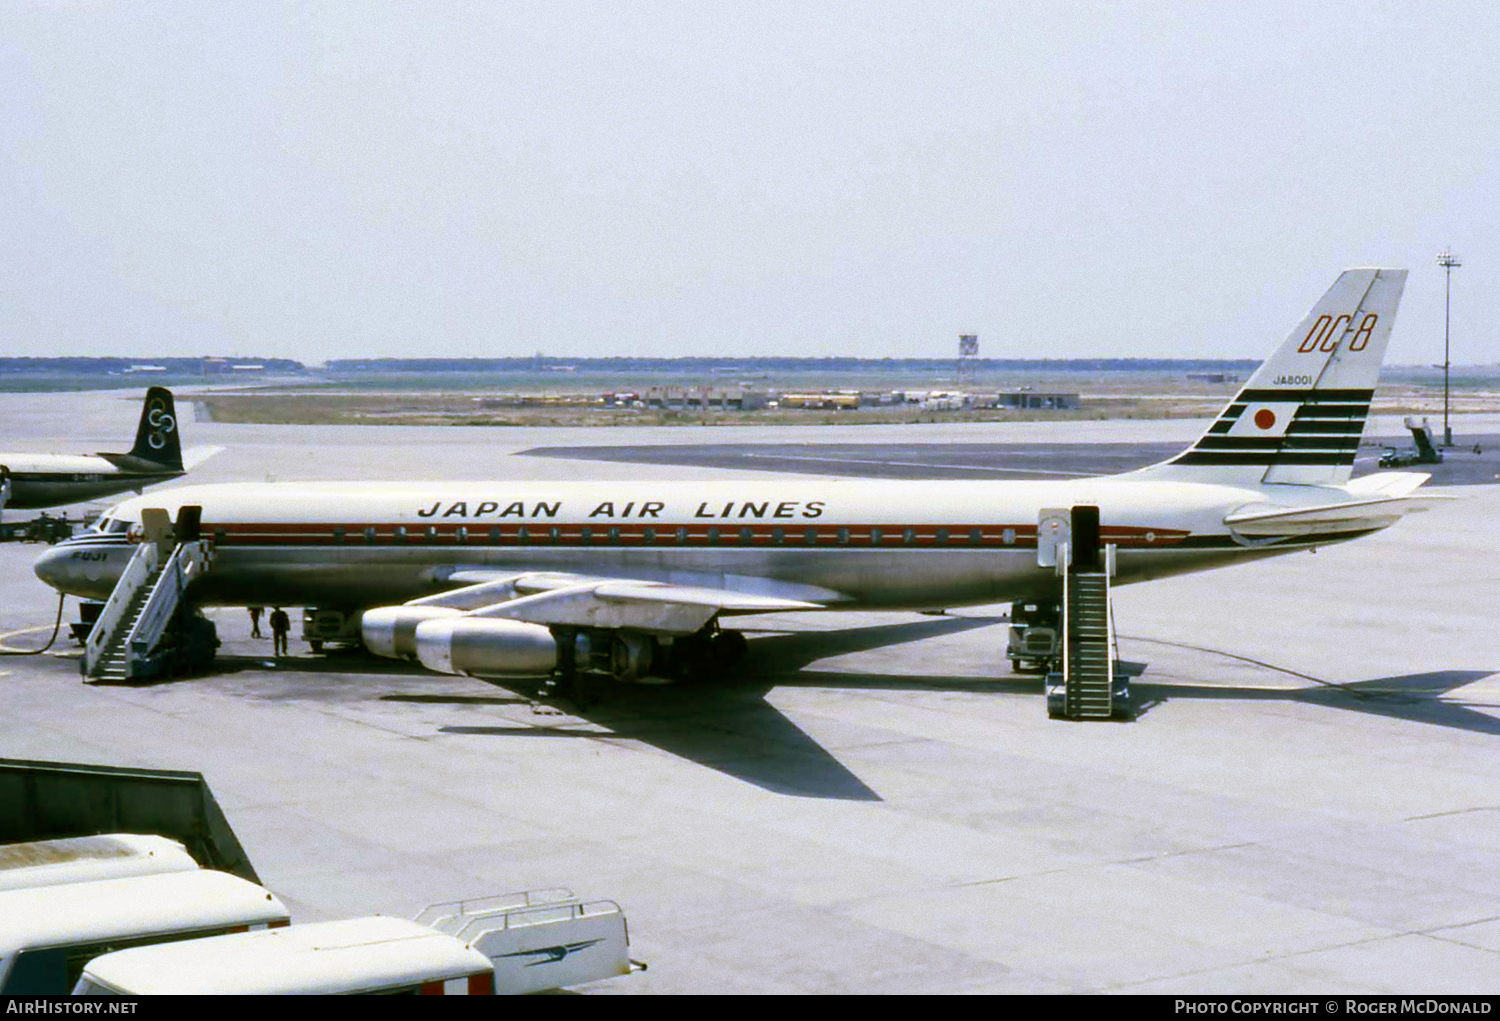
(357, 955)
(86, 859)
(514, 943)
(48, 933)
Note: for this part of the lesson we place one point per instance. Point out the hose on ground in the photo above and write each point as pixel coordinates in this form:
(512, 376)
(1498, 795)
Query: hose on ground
(56, 627)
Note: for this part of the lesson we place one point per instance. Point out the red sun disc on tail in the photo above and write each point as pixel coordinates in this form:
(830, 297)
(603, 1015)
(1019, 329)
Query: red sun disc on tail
(1265, 418)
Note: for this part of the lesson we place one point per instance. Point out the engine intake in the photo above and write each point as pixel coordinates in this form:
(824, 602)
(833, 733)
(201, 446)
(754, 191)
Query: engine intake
(392, 630)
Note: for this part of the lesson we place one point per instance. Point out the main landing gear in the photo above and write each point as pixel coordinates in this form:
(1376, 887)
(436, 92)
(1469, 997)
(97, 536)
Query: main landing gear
(639, 658)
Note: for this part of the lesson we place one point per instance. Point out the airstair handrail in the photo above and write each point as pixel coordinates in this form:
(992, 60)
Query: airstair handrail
(540, 914)
(142, 562)
(188, 561)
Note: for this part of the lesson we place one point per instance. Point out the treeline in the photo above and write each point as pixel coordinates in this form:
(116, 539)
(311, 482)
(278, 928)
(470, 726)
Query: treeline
(204, 365)
(730, 365)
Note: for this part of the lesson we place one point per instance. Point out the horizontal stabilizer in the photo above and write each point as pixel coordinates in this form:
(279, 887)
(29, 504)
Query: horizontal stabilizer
(138, 465)
(1349, 516)
(194, 456)
(1387, 484)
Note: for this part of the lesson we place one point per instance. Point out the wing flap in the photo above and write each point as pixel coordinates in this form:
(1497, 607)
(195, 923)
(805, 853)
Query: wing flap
(696, 595)
(583, 606)
(554, 598)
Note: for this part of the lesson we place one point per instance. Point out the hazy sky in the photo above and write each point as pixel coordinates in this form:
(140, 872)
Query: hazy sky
(1065, 179)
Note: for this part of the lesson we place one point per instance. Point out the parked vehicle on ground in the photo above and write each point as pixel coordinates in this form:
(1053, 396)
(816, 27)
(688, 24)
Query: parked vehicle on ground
(87, 859)
(49, 933)
(357, 955)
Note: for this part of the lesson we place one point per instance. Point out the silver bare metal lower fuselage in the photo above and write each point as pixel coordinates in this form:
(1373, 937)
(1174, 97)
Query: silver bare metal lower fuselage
(358, 578)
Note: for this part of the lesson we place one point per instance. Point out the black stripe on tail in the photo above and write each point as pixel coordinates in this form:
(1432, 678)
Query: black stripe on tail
(1325, 430)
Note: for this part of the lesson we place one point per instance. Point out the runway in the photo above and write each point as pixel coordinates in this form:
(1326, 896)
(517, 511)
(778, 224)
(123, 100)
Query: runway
(1044, 460)
(870, 802)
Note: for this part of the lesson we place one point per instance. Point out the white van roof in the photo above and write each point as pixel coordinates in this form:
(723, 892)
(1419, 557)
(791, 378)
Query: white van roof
(51, 916)
(354, 955)
(84, 859)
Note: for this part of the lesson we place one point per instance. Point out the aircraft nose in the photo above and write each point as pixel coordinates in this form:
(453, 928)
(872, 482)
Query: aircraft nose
(51, 567)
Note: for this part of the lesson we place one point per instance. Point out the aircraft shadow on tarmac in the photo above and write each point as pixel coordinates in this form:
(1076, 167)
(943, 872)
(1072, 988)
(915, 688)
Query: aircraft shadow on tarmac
(1412, 697)
(728, 725)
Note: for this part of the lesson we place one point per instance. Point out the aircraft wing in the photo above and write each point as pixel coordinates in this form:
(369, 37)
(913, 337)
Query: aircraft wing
(551, 598)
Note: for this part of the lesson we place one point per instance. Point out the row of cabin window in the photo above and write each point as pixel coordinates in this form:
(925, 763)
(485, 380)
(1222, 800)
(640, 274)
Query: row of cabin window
(649, 536)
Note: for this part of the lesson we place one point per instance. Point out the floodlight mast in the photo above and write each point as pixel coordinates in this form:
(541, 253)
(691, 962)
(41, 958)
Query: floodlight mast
(1449, 262)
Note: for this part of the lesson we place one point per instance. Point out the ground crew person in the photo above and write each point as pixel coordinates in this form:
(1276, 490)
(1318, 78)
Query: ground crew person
(255, 612)
(280, 625)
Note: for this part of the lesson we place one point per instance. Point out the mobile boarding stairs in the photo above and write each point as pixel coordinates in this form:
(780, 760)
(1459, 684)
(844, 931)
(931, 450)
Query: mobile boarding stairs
(147, 628)
(1070, 637)
(540, 939)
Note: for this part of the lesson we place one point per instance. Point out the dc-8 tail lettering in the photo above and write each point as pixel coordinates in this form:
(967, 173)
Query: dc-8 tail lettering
(1299, 419)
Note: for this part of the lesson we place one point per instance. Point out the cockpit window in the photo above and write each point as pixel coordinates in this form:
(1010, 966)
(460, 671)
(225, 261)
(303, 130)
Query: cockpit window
(111, 526)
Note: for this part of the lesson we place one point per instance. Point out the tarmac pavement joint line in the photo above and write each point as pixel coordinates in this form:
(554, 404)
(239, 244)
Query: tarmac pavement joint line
(1246, 659)
(1456, 811)
(1463, 925)
(1295, 954)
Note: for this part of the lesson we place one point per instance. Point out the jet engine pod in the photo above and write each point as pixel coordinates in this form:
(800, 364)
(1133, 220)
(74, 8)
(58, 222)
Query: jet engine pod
(392, 630)
(486, 647)
(623, 655)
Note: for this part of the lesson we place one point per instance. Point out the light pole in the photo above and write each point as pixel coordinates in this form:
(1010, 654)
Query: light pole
(1449, 262)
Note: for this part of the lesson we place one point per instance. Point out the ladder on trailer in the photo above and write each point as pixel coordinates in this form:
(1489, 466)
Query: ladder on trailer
(129, 638)
(1087, 681)
(1088, 641)
(540, 939)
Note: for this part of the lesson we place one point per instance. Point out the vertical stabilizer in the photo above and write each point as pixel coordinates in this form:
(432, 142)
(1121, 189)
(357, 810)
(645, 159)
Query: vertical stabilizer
(1300, 418)
(156, 438)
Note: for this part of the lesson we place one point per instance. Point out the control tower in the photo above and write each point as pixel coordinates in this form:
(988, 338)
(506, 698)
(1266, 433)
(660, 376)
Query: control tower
(968, 355)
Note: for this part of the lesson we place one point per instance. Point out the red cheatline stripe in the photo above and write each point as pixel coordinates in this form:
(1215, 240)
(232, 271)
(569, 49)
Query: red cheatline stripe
(664, 536)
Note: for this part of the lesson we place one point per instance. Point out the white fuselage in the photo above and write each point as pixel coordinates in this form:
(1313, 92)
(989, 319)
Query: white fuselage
(51, 480)
(851, 544)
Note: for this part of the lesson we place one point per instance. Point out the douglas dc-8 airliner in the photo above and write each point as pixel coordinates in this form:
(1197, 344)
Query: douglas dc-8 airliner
(631, 578)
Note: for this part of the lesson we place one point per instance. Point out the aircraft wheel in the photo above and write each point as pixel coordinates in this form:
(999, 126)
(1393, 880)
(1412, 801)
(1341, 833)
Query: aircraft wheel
(315, 645)
(730, 648)
(1057, 704)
